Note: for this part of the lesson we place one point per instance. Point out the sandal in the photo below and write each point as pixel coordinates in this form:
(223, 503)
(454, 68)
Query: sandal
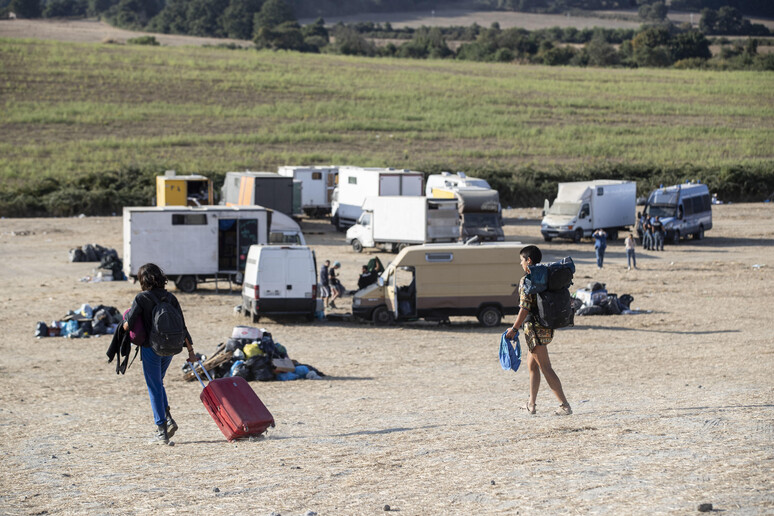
(529, 410)
(563, 410)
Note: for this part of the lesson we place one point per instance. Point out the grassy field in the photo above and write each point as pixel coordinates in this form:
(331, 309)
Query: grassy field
(71, 110)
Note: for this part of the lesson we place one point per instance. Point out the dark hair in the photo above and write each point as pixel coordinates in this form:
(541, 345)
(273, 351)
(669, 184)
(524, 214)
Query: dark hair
(532, 252)
(151, 276)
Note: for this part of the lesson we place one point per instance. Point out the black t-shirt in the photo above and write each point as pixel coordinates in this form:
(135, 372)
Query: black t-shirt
(142, 307)
(658, 227)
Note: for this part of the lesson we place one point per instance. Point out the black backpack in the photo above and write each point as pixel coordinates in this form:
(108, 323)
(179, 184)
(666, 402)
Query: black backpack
(553, 306)
(167, 333)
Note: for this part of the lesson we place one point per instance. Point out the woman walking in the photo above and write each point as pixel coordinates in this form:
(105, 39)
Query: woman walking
(154, 366)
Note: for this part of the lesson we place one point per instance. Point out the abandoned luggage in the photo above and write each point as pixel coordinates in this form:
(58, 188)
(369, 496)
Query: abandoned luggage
(234, 406)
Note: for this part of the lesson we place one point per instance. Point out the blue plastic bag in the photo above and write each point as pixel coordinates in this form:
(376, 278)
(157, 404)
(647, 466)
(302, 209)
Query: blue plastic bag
(286, 377)
(510, 352)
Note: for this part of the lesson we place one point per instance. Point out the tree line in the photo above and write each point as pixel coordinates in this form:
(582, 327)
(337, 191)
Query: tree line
(272, 24)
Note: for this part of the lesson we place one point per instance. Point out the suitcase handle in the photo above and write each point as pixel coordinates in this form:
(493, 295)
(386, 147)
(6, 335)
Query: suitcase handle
(193, 368)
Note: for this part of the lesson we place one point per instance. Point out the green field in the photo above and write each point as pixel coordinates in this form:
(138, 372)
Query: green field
(76, 110)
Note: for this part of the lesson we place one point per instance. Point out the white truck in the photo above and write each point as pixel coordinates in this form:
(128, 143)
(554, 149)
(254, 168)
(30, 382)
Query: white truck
(357, 183)
(193, 245)
(317, 185)
(394, 222)
(582, 207)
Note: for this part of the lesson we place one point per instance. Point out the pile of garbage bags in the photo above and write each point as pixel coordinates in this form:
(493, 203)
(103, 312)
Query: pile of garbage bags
(596, 300)
(254, 355)
(91, 253)
(82, 322)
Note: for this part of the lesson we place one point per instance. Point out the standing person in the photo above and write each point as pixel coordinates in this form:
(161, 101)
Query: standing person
(325, 286)
(600, 245)
(335, 284)
(647, 242)
(631, 260)
(658, 234)
(154, 367)
(537, 338)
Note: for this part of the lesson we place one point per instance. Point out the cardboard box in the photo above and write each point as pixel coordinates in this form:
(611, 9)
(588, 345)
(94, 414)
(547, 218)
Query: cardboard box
(283, 365)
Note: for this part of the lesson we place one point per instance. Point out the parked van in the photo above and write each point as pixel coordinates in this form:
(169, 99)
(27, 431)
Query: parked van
(279, 280)
(683, 210)
(436, 281)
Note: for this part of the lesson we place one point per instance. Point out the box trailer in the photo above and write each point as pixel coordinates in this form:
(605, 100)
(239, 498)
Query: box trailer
(436, 281)
(357, 183)
(193, 245)
(394, 222)
(266, 189)
(582, 207)
(190, 190)
(317, 185)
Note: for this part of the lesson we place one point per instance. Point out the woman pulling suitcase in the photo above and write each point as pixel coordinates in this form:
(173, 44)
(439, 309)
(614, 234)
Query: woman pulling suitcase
(161, 314)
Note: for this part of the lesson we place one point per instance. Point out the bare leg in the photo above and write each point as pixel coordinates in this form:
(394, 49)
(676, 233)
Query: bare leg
(540, 354)
(534, 378)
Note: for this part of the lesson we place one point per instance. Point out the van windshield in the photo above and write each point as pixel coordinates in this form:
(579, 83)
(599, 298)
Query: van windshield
(661, 210)
(482, 220)
(663, 197)
(564, 208)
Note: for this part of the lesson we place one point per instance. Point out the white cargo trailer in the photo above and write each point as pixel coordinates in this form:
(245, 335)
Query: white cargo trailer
(582, 207)
(317, 185)
(193, 245)
(394, 222)
(357, 183)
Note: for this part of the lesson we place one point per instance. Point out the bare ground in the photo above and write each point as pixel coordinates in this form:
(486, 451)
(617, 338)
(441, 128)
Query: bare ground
(672, 408)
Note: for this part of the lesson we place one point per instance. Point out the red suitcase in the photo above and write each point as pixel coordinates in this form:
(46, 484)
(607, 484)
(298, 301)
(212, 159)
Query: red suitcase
(234, 406)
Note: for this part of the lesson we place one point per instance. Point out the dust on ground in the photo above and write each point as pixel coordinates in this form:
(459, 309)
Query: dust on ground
(672, 408)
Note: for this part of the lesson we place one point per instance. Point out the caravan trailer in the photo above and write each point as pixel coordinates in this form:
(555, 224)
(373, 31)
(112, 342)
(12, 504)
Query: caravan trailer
(317, 185)
(193, 245)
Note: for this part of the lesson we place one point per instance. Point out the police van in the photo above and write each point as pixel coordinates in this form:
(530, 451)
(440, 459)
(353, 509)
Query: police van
(684, 210)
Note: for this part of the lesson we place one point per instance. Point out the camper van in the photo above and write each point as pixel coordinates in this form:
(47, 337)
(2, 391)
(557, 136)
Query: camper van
(279, 280)
(684, 210)
(317, 185)
(265, 189)
(480, 212)
(357, 183)
(436, 281)
(447, 181)
(582, 207)
(193, 245)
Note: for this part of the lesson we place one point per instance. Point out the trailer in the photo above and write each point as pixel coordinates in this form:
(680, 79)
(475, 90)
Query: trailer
(190, 190)
(582, 207)
(193, 245)
(357, 183)
(317, 185)
(265, 189)
(394, 222)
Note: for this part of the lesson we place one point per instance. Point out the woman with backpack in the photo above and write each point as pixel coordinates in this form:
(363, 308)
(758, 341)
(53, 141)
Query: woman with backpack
(537, 338)
(167, 334)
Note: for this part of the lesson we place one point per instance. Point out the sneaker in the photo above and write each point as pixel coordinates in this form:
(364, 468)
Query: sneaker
(171, 425)
(161, 436)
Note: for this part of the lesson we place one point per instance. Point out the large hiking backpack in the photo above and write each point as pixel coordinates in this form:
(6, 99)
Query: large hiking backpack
(167, 333)
(551, 285)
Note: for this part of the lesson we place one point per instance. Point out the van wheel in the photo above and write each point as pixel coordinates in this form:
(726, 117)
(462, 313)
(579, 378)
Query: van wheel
(490, 316)
(382, 316)
(699, 235)
(186, 283)
(357, 246)
(676, 237)
(577, 235)
(401, 247)
(547, 238)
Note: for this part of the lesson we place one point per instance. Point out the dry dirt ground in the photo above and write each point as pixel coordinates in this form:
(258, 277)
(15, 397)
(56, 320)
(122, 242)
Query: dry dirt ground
(672, 408)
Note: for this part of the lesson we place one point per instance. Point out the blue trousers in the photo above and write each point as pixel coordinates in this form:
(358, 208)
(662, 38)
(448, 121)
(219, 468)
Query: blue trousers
(600, 251)
(154, 368)
(630, 259)
(659, 238)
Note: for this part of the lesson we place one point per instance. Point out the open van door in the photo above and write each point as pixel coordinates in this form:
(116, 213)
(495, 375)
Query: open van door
(391, 296)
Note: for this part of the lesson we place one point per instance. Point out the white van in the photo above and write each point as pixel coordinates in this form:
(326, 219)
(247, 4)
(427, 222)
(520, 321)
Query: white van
(279, 280)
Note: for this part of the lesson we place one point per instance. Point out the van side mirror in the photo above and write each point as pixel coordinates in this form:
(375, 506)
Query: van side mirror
(380, 281)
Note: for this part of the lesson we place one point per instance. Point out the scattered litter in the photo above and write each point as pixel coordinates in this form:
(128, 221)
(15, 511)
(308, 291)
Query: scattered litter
(82, 322)
(595, 300)
(91, 253)
(253, 354)
(758, 266)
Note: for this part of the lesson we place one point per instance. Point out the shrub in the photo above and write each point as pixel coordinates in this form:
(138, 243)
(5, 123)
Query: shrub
(143, 40)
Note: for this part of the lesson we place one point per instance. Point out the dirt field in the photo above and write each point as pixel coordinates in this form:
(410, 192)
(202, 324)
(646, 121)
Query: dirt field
(672, 408)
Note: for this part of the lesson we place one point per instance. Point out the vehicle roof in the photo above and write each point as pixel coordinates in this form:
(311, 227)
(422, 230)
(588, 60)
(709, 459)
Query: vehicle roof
(414, 255)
